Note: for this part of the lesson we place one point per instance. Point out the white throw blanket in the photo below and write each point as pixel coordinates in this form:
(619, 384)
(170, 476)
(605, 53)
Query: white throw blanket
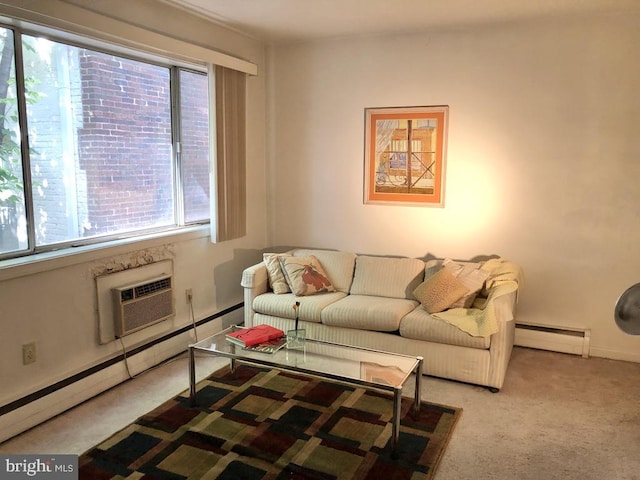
(480, 320)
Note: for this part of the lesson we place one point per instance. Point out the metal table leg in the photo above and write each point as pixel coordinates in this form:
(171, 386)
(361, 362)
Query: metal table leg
(418, 393)
(192, 376)
(232, 363)
(395, 431)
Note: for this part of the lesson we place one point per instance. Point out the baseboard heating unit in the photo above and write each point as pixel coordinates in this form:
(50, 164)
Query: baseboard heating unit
(556, 339)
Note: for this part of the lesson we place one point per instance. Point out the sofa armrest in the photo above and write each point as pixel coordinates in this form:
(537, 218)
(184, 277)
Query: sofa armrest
(255, 276)
(255, 281)
(502, 340)
(505, 306)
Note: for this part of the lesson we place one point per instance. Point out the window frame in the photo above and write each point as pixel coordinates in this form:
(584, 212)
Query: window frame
(175, 67)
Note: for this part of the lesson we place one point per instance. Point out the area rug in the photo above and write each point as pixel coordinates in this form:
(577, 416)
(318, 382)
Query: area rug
(263, 424)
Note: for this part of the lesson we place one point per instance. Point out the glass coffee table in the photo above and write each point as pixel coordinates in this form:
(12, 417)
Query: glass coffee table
(371, 369)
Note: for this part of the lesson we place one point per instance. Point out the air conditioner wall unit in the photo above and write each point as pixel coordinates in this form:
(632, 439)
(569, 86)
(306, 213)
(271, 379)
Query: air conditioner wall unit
(140, 305)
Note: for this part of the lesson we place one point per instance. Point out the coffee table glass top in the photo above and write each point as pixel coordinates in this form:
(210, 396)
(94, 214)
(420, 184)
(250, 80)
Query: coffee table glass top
(374, 368)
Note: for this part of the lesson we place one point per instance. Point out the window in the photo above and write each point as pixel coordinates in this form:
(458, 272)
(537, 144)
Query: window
(117, 146)
(195, 145)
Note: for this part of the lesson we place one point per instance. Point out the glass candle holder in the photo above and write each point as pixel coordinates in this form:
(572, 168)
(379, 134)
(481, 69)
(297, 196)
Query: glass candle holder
(296, 339)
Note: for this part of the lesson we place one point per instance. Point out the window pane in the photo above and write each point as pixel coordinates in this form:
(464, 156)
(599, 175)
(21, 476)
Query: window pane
(13, 235)
(195, 145)
(100, 134)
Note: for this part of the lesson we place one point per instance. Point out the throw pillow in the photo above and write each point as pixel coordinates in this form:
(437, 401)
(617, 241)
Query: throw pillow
(440, 291)
(274, 271)
(305, 275)
(471, 276)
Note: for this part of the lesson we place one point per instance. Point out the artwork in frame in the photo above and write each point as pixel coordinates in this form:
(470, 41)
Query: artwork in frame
(405, 155)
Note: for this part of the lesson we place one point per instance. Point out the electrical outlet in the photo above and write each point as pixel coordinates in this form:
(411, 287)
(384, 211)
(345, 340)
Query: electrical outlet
(188, 295)
(28, 353)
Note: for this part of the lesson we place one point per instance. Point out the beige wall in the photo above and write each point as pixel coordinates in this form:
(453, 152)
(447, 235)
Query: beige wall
(543, 157)
(53, 302)
(542, 170)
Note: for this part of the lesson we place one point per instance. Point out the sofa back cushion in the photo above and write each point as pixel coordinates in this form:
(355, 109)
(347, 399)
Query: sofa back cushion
(387, 277)
(338, 266)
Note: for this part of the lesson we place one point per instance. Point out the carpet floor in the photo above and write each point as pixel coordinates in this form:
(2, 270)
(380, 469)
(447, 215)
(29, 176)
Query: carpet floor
(264, 424)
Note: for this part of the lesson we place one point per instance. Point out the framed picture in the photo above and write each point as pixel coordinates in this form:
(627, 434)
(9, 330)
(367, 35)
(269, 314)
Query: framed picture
(405, 155)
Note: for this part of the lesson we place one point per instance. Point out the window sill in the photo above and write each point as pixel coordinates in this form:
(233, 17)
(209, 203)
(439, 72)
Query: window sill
(42, 262)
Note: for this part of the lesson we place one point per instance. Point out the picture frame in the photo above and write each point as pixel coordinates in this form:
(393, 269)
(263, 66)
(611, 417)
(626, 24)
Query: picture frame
(395, 134)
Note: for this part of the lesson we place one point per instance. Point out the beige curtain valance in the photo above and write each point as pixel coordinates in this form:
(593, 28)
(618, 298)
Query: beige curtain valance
(72, 19)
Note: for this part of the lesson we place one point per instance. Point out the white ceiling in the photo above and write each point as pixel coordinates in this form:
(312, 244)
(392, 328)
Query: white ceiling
(283, 21)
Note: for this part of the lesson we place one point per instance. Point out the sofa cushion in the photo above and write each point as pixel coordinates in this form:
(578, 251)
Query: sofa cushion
(305, 275)
(472, 277)
(366, 312)
(419, 325)
(282, 305)
(387, 277)
(337, 265)
(276, 278)
(440, 291)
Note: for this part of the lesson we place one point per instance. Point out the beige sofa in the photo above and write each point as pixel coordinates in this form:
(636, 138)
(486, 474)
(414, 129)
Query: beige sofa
(373, 306)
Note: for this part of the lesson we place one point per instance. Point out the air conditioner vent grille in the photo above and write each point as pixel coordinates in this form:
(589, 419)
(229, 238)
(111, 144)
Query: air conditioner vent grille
(152, 287)
(143, 304)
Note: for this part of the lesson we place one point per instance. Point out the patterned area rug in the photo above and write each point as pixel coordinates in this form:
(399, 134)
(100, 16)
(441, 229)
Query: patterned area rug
(265, 424)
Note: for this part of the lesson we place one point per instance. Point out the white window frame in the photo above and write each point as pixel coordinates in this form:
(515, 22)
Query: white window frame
(175, 66)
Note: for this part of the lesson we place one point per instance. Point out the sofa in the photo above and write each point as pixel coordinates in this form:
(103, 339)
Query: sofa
(458, 316)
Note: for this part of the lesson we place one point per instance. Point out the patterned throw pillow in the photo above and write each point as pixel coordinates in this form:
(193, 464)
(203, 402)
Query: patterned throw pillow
(276, 277)
(305, 275)
(440, 291)
(471, 276)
